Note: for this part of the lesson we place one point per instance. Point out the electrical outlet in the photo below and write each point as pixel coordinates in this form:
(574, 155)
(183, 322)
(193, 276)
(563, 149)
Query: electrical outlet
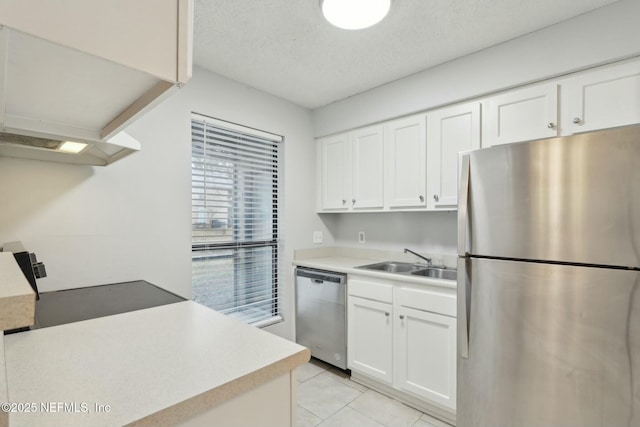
(317, 237)
(361, 238)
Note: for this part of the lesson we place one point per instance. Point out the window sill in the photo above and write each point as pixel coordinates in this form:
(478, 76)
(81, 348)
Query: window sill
(268, 322)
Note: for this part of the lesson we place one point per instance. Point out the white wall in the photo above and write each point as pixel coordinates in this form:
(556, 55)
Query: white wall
(601, 36)
(93, 225)
(428, 232)
(132, 220)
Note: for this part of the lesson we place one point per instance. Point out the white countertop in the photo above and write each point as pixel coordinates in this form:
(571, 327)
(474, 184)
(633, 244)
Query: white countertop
(180, 356)
(347, 264)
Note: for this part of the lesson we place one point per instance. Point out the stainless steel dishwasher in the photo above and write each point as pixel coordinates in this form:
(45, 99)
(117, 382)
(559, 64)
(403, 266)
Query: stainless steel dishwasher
(321, 314)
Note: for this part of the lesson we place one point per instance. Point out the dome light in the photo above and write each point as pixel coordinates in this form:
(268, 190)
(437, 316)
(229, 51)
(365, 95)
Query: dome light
(354, 14)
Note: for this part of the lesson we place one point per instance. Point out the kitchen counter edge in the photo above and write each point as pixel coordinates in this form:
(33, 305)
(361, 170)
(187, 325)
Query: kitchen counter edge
(17, 299)
(348, 265)
(275, 357)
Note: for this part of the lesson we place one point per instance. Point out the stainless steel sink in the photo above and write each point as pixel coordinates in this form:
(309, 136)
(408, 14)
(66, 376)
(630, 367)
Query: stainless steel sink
(392, 267)
(408, 268)
(437, 273)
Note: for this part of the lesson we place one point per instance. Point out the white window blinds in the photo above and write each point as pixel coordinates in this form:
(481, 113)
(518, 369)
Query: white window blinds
(234, 199)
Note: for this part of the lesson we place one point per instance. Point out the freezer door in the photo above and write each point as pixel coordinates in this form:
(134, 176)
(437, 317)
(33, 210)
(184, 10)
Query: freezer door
(574, 199)
(549, 345)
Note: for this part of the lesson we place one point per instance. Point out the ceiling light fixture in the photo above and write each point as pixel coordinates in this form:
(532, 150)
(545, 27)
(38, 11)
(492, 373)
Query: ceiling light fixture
(354, 14)
(72, 147)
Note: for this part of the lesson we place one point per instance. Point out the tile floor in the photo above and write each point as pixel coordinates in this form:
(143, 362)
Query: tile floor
(328, 398)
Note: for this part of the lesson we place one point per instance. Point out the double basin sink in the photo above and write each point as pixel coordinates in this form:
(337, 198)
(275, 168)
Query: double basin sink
(407, 268)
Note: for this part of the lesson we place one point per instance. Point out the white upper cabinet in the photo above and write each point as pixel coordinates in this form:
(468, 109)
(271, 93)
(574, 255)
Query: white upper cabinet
(521, 115)
(405, 167)
(84, 71)
(602, 98)
(419, 154)
(351, 171)
(450, 131)
(368, 168)
(335, 173)
(147, 35)
(594, 99)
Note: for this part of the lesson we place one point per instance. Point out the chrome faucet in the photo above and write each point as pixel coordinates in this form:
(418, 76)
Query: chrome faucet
(419, 256)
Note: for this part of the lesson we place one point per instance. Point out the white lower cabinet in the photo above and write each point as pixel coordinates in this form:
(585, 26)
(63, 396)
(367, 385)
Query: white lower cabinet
(371, 339)
(426, 355)
(403, 337)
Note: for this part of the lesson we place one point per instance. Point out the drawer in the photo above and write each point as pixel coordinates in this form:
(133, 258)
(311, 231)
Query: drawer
(382, 292)
(427, 300)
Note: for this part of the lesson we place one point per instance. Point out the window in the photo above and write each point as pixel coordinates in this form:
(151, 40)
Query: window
(234, 205)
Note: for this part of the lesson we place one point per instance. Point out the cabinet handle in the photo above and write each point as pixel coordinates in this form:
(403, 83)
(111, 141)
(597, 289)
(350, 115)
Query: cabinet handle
(576, 120)
(421, 197)
(386, 313)
(401, 316)
(436, 198)
(551, 125)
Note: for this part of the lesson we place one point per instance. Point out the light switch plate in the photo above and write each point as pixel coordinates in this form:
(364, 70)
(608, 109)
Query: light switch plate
(317, 237)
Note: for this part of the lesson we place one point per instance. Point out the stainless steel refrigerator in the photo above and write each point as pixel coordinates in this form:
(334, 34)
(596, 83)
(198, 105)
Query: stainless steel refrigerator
(549, 270)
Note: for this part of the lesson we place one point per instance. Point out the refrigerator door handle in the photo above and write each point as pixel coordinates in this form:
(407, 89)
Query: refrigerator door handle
(463, 201)
(463, 309)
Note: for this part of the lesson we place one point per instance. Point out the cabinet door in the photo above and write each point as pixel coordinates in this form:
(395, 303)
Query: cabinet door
(449, 131)
(426, 355)
(521, 115)
(405, 169)
(604, 98)
(335, 173)
(368, 172)
(370, 342)
(118, 30)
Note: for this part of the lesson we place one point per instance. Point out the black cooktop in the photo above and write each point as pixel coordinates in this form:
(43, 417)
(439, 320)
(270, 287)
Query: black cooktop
(74, 305)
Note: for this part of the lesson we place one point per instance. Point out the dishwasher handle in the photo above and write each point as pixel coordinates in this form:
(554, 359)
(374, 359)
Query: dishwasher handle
(319, 276)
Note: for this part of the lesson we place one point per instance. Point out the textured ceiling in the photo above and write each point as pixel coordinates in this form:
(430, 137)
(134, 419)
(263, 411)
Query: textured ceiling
(286, 48)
